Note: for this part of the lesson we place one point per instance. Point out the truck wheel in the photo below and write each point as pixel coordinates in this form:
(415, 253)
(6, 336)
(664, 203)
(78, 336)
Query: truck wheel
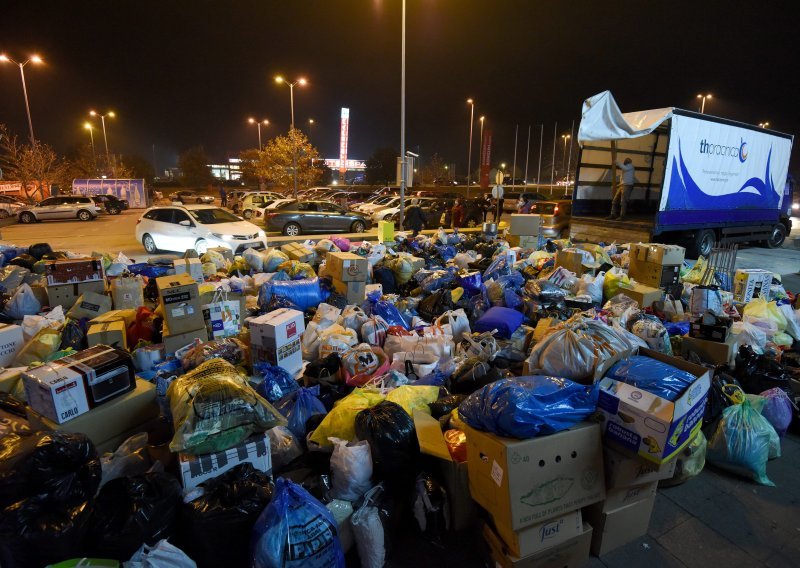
(776, 237)
(703, 243)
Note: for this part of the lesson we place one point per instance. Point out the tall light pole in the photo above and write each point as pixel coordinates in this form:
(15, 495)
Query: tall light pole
(258, 124)
(703, 102)
(35, 59)
(471, 104)
(88, 126)
(311, 130)
(301, 81)
(109, 114)
(527, 156)
(564, 137)
(514, 167)
(403, 173)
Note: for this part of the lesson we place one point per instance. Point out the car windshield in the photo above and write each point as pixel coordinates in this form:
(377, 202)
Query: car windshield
(543, 208)
(213, 216)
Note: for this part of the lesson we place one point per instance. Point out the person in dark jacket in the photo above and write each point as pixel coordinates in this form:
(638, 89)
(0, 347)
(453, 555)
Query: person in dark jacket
(457, 214)
(415, 218)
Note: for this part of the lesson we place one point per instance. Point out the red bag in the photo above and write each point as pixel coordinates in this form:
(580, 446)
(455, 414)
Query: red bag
(142, 327)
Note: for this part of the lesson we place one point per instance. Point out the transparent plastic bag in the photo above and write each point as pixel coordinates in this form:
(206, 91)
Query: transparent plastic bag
(351, 467)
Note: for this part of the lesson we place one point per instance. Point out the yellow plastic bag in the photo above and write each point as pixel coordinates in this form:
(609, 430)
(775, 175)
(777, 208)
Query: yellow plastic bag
(414, 397)
(297, 269)
(340, 422)
(695, 274)
(760, 309)
(615, 282)
(38, 349)
(402, 269)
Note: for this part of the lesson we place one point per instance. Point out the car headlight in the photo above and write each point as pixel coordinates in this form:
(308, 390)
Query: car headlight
(795, 205)
(261, 234)
(223, 237)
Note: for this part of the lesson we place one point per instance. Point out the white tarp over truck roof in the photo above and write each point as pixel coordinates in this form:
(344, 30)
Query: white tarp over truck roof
(601, 119)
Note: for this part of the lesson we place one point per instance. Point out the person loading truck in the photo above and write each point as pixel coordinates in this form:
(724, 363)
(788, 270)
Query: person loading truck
(623, 192)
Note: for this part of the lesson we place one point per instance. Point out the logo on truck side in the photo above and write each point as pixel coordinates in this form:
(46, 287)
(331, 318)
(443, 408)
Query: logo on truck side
(719, 150)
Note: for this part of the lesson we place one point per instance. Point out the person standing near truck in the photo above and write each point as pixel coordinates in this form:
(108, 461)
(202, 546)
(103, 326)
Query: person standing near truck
(223, 195)
(457, 214)
(619, 203)
(497, 193)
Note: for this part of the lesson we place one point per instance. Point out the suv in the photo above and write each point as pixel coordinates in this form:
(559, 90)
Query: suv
(62, 207)
(112, 204)
(249, 202)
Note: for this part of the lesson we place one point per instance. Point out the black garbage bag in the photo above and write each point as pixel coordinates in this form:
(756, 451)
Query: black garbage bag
(151, 290)
(37, 531)
(55, 255)
(385, 277)
(131, 511)
(471, 375)
(446, 405)
(59, 465)
(431, 509)
(215, 528)
(758, 373)
(436, 304)
(23, 260)
(73, 335)
(38, 250)
(392, 440)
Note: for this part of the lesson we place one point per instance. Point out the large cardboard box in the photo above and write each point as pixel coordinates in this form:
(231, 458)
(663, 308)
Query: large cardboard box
(347, 267)
(196, 469)
(573, 261)
(11, 341)
(107, 421)
(654, 274)
(525, 482)
(714, 352)
(525, 224)
(538, 537)
(111, 333)
(749, 283)
(645, 424)
(74, 271)
(298, 252)
(615, 528)
(128, 316)
(66, 295)
(455, 476)
(180, 300)
(174, 341)
(643, 295)
(657, 253)
(624, 496)
(573, 553)
(275, 338)
(10, 378)
(355, 292)
(630, 471)
(191, 266)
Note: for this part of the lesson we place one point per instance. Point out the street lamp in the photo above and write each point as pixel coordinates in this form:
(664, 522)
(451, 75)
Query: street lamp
(564, 137)
(109, 114)
(310, 130)
(471, 104)
(35, 59)
(258, 123)
(88, 126)
(703, 103)
(763, 124)
(301, 81)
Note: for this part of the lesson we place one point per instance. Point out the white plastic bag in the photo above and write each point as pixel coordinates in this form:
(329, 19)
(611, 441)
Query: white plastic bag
(422, 364)
(368, 531)
(438, 345)
(336, 339)
(326, 316)
(792, 325)
(23, 303)
(353, 317)
(459, 323)
(705, 299)
(162, 555)
(351, 467)
(591, 286)
(31, 325)
(745, 333)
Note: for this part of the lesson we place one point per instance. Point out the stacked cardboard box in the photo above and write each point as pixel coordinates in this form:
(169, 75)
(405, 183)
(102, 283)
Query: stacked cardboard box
(11, 341)
(179, 298)
(298, 252)
(656, 265)
(191, 266)
(524, 230)
(276, 337)
(574, 261)
(534, 490)
(68, 279)
(749, 283)
(349, 272)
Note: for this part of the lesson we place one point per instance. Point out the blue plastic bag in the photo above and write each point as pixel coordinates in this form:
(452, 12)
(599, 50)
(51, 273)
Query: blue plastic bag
(652, 376)
(525, 407)
(447, 251)
(298, 406)
(505, 320)
(388, 311)
(295, 531)
(277, 381)
(499, 267)
(678, 327)
(149, 270)
(304, 293)
(472, 283)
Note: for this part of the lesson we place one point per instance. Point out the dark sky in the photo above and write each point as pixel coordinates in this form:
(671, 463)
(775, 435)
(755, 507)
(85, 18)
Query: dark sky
(183, 73)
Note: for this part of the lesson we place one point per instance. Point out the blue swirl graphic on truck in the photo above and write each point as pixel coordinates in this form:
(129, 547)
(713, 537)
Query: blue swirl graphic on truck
(684, 193)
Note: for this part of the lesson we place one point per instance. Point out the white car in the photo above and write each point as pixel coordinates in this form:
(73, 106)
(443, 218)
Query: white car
(199, 227)
(387, 211)
(10, 206)
(381, 203)
(260, 212)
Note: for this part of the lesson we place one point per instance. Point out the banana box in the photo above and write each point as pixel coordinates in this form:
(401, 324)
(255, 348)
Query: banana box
(640, 422)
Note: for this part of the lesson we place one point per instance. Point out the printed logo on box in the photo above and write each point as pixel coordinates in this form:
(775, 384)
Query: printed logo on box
(550, 530)
(291, 329)
(352, 269)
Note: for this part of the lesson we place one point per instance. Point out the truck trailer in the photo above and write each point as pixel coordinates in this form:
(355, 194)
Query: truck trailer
(700, 179)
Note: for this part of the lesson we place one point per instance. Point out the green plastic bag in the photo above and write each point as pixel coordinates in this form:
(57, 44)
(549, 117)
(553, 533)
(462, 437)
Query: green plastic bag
(340, 422)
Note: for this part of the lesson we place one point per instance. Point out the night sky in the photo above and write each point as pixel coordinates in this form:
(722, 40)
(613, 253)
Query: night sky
(186, 73)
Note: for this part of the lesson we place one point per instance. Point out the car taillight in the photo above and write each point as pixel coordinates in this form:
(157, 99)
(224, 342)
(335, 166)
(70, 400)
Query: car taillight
(555, 210)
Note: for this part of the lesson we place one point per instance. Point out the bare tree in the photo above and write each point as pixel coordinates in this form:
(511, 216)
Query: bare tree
(36, 166)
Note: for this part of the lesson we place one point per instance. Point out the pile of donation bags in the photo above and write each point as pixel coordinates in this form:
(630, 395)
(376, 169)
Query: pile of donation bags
(197, 410)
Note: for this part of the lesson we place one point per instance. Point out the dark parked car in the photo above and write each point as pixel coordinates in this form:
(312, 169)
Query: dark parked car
(111, 204)
(295, 218)
(437, 212)
(510, 199)
(186, 196)
(556, 215)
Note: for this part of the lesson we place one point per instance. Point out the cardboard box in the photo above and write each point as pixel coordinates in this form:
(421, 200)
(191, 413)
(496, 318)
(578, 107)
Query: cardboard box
(107, 421)
(224, 251)
(573, 553)
(455, 476)
(714, 352)
(385, 231)
(111, 333)
(180, 300)
(90, 305)
(173, 342)
(66, 295)
(275, 337)
(417, 263)
(128, 316)
(10, 377)
(717, 331)
(654, 274)
(347, 267)
(528, 241)
(573, 261)
(643, 295)
(191, 266)
(541, 536)
(298, 252)
(624, 496)
(628, 471)
(11, 341)
(749, 283)
(74, 271)
(618, 527)
(645, 424)
(657, 253)
(198, 469)
(373, 288)
(525, 224)
(355, 292)
(525, 482)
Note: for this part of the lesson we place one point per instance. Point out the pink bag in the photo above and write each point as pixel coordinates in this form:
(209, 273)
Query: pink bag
(341, 242)
(360, 379)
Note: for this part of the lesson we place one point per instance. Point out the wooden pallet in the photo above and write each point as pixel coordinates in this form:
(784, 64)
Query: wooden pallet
(596, 230)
